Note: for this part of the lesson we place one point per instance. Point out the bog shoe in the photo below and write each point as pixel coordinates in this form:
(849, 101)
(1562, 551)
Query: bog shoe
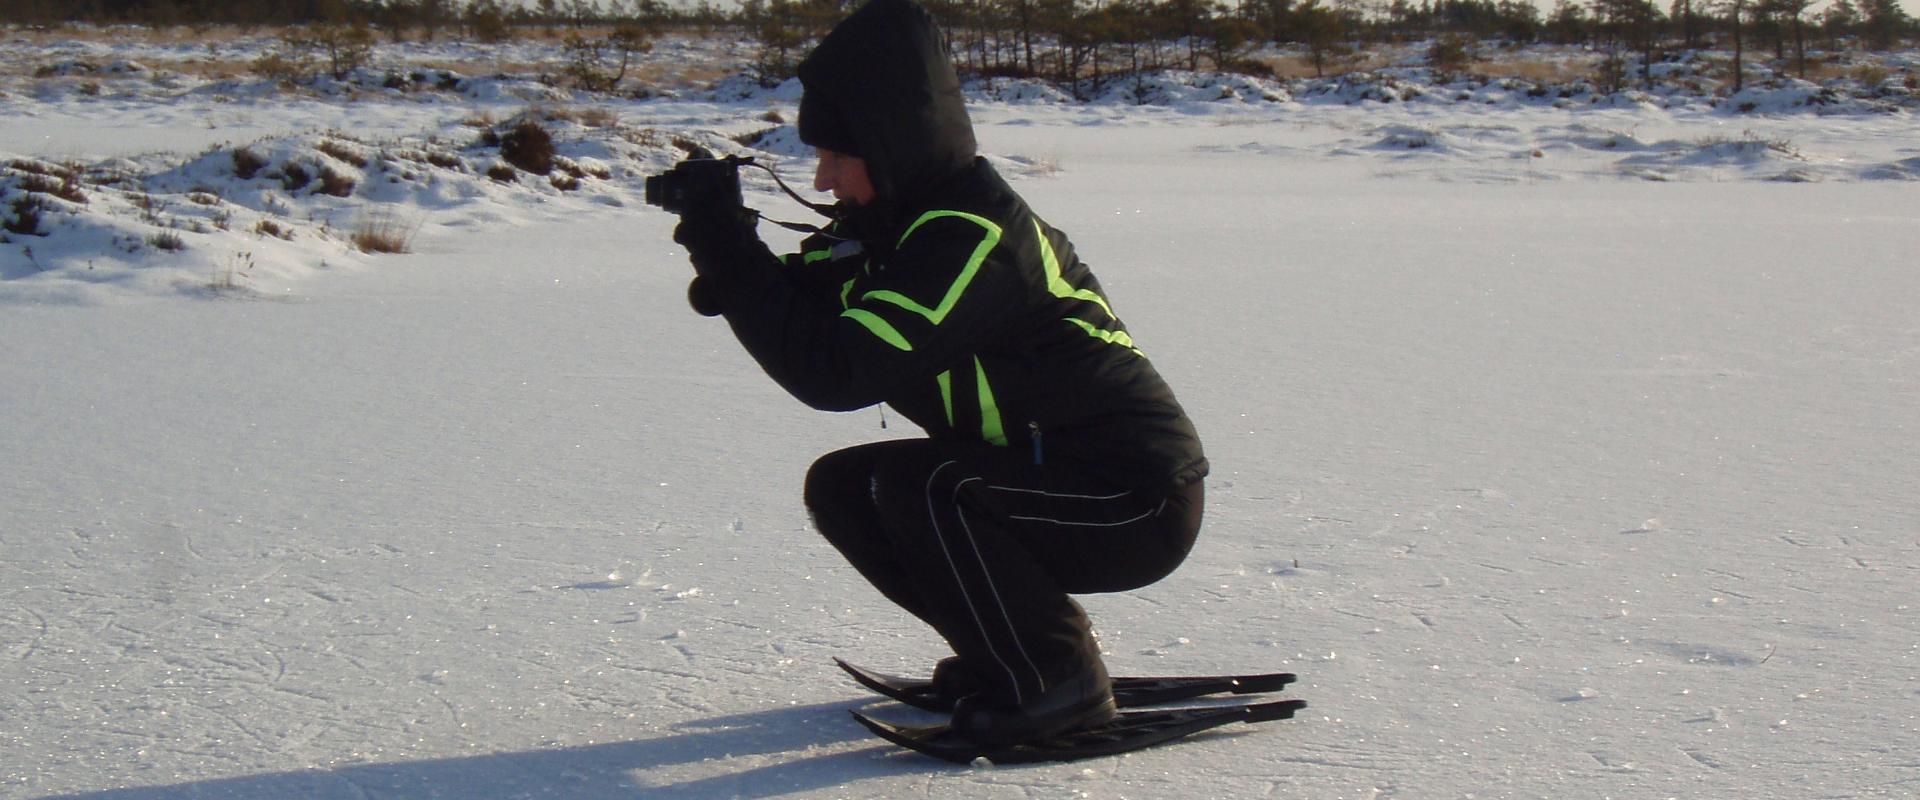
(1083, 700)
(953, 679)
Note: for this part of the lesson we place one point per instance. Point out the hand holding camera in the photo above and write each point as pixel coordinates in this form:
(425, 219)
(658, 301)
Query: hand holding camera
(699, 184)
(715, 225)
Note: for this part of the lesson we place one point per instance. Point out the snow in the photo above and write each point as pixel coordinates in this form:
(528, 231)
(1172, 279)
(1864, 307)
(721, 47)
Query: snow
(1564, 451)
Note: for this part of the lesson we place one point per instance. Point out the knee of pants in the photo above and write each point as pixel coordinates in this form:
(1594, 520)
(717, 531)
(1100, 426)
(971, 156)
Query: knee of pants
(918, 498)
(836, 478)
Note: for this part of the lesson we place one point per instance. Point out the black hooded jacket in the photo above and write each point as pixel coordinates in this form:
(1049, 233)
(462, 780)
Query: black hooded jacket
(961, 309)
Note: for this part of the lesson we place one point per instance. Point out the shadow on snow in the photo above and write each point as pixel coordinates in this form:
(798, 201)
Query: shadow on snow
(785, 736)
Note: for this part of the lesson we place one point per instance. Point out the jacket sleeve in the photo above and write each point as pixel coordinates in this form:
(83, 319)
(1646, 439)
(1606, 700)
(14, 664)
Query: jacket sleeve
(941, 296)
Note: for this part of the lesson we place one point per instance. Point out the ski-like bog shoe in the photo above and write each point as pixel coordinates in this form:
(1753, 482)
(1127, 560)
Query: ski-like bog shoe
(1081, 701)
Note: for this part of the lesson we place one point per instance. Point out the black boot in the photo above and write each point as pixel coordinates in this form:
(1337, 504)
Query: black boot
(1084, 700)
(954, 679)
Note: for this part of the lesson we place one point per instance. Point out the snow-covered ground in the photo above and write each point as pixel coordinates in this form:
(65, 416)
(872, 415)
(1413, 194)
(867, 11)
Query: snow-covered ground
(1564, 451)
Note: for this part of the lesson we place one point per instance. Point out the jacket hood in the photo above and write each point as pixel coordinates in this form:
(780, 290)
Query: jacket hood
(885, 76)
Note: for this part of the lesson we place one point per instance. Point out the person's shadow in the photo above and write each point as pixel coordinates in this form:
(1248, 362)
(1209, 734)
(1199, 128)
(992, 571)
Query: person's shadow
(592, 772)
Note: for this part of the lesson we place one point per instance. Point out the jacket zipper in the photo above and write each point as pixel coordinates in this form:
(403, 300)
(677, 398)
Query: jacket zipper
(1033, 428)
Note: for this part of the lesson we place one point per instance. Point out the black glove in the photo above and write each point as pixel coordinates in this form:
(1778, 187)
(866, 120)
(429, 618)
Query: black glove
(718, 239)
(701, 296)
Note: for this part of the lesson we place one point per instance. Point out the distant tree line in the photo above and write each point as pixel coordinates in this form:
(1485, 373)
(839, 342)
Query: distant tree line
(1071, 40)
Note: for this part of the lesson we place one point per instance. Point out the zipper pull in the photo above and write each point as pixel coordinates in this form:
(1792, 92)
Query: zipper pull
(883, 416)
(1033, 429)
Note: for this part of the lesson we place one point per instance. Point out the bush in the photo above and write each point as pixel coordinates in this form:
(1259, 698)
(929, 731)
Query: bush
(384, 233)
(1610, 74)
(294, 177)
(247, 163)
(342, 152)
(60, 181)
(487, 19)
(529, 147)
(267, 227)
(66, 188)
(1450, 56)
(334, 183)
(600, 64)
(347, 48)
(282, 68)
(25, 220)
(168, 241)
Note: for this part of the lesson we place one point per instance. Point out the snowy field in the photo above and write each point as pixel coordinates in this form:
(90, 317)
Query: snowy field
(1564, 450)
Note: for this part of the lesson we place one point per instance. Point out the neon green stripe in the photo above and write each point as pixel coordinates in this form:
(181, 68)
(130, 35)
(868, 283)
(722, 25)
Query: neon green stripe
(939, 312)
(846, 290)
(879, 327)
(1057, 284)
(815, 256)
(1060, 288)
(1110, 337)
(990, 428)
(945, 379)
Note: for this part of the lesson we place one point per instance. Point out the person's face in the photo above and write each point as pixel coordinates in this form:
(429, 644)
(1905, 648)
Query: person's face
(845, 176)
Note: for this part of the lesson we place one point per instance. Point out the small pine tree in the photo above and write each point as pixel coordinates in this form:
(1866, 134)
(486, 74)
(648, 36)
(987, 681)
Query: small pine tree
(1450, 57)
(1883, 24)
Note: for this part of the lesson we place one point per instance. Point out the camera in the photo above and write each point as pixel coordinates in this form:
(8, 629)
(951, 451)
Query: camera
(701, 181)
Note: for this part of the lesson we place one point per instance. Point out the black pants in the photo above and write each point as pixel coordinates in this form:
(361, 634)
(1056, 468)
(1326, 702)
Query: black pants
(985, 546)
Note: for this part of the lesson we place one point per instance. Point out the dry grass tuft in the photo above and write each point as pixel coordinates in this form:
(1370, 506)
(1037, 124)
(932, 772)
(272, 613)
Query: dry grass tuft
(341, 151)
(384, 232)
(334, 183)
(62, 181)
(267, 227)
(168, 241)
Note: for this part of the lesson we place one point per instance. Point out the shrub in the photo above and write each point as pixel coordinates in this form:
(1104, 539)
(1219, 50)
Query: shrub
(487, 19)
(66, 188)
(1450, 56)
(384, 233)
(588, 60)
(597, 117)
(334, 183)
(294, 177)
(282, 68)
(342, 152)
(347, 47)
(247, 163)
(168, 241)
(1610, 74)
(502, 172)
(267, 227)
(529, 147)
(62, 182)
(1871, 75)
(237, 266)
(27, 211)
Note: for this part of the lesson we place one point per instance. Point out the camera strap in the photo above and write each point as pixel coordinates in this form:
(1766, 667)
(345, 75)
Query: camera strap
(818, 208)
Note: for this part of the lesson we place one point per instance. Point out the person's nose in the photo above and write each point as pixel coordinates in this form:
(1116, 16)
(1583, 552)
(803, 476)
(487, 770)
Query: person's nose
(822, 180)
